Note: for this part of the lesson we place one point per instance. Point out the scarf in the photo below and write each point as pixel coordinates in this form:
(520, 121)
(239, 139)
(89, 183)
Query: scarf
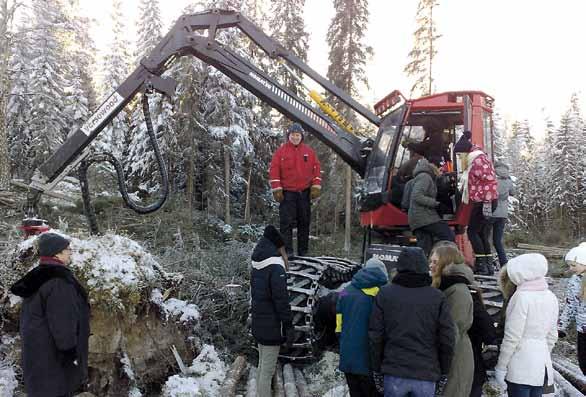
(539, 284)
(463, 184)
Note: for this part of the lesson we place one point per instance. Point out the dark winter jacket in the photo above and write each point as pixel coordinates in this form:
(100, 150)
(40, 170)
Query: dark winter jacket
(411, 332)
(271, 313)
(454, 283)
(505, 189)
(54, 328)
(423, 205)
(432, 147)
(482, 332)
(352, 315)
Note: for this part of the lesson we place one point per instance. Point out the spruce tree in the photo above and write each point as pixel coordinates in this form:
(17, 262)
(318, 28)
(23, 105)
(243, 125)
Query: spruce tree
(422, 55)
(116, 69)
(20, 139)
(288, 28)
(48, 122)
(348, 55)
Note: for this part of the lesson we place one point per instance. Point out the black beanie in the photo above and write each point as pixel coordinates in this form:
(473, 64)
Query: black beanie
(464, 145)
(412, 259)
(272, 234)
(50, 244)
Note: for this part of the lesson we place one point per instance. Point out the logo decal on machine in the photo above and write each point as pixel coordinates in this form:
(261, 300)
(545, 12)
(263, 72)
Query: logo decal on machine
(386, 257)
(102, 113)
(261, 80)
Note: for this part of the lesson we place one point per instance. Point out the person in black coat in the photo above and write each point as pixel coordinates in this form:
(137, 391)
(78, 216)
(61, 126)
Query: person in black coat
(482, 332)
(412, 335)
(54, 323)
(272, 322)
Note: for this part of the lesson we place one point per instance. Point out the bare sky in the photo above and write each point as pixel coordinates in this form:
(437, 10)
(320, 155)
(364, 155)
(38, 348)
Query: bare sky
(528, 54)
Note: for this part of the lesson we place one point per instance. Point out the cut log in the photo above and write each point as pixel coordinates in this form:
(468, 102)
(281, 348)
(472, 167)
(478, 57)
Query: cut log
(251, 384)
(278, 390)
(289, 381)
(302, 389)
(554, 252)
(228, 388)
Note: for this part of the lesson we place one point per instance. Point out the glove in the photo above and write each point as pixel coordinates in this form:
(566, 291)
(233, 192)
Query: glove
(487, 210)
(314, 192)
(290, 337)
(440, 385)
(379, 382)
(278, 195)
(499, 375)
(561, 334)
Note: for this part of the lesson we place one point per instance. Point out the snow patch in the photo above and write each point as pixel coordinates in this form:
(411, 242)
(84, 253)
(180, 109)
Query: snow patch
(186, 312)
(8, 382)
(207, 373)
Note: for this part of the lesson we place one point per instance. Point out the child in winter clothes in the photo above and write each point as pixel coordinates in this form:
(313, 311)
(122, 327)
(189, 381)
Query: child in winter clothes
(271, 312)
(352, 314)
(479, 188)
(524, 364)
(575, 308)
(411, 332)
(452, 276)
(500, 215)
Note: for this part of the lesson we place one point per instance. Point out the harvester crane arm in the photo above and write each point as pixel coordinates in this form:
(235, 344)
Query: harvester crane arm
(187, 38)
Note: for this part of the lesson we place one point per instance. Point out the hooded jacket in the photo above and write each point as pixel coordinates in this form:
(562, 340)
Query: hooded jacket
(411, 331)
(505, 188)
(454, 283)
(575, 307)
(530, 325)
(481, 179)
(54, 326)
(271, 313)
(423, 205)
(353, 310)
(294, 168)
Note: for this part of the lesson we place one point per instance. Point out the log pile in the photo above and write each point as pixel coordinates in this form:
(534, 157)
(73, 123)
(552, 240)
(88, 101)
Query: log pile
(8, 199)
(550, 252)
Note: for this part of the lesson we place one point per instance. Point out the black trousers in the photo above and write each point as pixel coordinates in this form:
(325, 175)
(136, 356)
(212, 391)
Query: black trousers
(426, 235)
(582, 351)
(479, 231)
(361, 386)
(295, 209)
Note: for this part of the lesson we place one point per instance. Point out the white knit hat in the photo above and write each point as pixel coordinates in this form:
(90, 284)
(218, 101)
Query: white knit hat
(577, 254)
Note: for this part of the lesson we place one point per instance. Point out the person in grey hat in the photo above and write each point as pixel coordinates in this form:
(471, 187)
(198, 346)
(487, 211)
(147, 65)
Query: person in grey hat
(412, 335)
(54, 323)
(500, 215)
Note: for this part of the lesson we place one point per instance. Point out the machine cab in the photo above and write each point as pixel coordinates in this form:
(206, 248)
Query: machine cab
(438, 119)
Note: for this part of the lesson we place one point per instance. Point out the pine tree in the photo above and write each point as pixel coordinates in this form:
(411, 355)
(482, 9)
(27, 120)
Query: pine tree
(348, 56)
(499, 139)
(421, 57)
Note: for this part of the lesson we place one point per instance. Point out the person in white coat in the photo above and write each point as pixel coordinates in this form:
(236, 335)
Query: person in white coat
(524, 364)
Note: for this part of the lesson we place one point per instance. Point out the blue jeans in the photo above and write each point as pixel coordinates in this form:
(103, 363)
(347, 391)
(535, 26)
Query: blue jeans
(498, 231)
(404, 387)
(517, 390)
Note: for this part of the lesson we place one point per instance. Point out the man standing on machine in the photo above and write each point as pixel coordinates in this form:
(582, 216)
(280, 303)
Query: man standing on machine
(295, 180)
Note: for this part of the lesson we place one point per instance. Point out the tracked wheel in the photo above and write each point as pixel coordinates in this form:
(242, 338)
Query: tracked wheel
(308, 279)
(491, 294)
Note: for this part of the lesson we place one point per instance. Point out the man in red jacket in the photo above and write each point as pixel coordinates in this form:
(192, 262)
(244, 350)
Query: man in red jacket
(295, 181)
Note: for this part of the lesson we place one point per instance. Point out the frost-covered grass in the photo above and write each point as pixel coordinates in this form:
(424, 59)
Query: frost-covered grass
(8, 382)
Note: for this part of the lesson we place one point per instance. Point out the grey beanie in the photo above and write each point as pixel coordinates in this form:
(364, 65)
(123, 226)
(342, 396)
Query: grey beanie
(377, 264)
(50, 244)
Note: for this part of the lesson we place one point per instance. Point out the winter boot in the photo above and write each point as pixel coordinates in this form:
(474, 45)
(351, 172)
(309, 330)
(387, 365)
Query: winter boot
(481, 266)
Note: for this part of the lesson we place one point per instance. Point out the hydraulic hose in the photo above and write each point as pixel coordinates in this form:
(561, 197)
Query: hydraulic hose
(110, 158)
